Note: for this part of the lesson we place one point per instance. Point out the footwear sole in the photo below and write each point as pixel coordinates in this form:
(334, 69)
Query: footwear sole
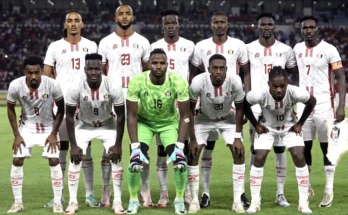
(119, 212)
(71, 212)
(325, 206)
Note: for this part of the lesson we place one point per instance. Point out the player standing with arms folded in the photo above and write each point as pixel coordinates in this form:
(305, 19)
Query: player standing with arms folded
(236, 54)
(38, 127)
(278, 120)
(66, 58)
(319, 63)
(151, 110)
(96, 96)
(125, 54)
(265, 53)
(217, 91)
(179, 53)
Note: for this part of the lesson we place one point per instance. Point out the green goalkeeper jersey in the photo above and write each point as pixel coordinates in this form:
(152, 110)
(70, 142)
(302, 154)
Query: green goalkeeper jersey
(156, 106)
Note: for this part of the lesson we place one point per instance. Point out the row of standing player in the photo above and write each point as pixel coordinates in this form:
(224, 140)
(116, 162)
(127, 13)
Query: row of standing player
(125, 51)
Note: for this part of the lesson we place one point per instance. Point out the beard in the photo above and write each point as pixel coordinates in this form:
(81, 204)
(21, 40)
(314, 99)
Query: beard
(124, 27)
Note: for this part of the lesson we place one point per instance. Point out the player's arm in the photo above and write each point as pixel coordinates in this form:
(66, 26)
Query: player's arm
(11, 113)
(249, 113)
(294, 74)
(48, 71)
(146, 55)
(194, 71)
(104, 68)
(247, 80)
(49, 61)
(132, 121)
(341, 84)
(309, 106)
(59, 116)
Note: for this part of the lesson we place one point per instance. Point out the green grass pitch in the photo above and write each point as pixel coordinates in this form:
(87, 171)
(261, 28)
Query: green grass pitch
(37, 189)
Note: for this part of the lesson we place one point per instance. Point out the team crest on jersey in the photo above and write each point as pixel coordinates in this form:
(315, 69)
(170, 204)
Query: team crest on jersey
(183, 49)
(64, 51)
(135, 45)
(24, 98)
(319, 56)
(300, 55)
(208, 53)
(278, 54)
(115, 46)
(268, 107)
(85, 98)
(208, 95)
(85, 49)
(257, 55)
(106, 97)
(168, 94)
(45, 96)
(230, 51)
(228, 93)
(335, 134)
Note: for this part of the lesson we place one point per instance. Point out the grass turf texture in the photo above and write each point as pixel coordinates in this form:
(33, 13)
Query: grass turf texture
(37, 189)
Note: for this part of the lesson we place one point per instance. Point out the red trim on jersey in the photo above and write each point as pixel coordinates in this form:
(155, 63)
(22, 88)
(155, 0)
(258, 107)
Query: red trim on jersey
(34, 94)
(309, 51)
(168, 46)
(218, 91)
(174, 47)
(222, 49)
(71, 47)
(125, 81)
(42, 127)
(37, 128)
(281, 128)
(122, 42)
(270, 51)
(77, 47)
(237, 67)
(217, 49)
(332, 95)
(95, 94)
(278, 104)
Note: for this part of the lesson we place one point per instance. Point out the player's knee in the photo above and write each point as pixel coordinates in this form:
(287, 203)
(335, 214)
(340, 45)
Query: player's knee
(161, 152)
(210, 145)
(260, 156)
(18, 161)
(144, 149)
(170, 149)
(53, 161)
(64, 145)
(252, 150)
(279, 149)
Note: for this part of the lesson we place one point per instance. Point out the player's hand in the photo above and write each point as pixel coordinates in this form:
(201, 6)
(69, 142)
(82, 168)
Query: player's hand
(340, 115)
(260, 129)
(297, 128)
(193, 150)
(137, 158)
(238, 148)
(53, 143)
(18, 141)
(76, 154)
(115, 153)
(178, 157)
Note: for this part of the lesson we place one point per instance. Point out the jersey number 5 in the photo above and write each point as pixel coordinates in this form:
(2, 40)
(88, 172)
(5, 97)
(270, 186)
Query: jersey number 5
(157, 103)
(171, 64)
(125, 59)
(75, 62)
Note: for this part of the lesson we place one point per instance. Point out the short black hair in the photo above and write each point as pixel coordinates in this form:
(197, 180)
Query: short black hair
(33, 60)
(158, 51)
(216, 57)
(218, 13)
(315, 19)
(269, 15)
(277, 71)
(93, 56)
(169, 12)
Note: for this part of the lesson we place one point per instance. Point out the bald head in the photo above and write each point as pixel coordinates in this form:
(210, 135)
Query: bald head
(127, 7)
(73, 13)
(124, 16)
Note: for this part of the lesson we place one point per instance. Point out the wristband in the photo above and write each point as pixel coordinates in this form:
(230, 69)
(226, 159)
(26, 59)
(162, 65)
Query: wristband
(238, 135)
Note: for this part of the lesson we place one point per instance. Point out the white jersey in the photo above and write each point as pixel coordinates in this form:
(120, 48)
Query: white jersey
(124, 56)
(263, 59)
(315, 70)
(69, 60)
(179, 55)
(215, 102)
(96, 106)
(278, 114)
(234, 50)
(37, 105)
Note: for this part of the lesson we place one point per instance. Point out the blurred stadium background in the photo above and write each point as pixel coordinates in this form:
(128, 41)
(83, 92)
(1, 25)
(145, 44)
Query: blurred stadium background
(28, 26)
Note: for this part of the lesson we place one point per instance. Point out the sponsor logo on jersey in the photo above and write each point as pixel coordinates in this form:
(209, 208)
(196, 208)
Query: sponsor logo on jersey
(24, 98)
(135, 45)
(300, 55)
(106, 97)
(257, 55)
(183, 49)
(278, 54)
(230, 51)
(115, 46)
(85, 49)
(168, 94)
(208, 95)
(85, 98)
(335, 134)
(45, 96)
(208, 53)
(64, 51)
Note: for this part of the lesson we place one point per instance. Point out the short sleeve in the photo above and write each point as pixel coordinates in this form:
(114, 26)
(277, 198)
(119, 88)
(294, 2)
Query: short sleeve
(147, 49)
(192, 49)
(195, 88)
(116, 92)
(291, 60)
(254, 97)
(181, 90)
(334, 56)
(94, 48)
(238, 90)
(72, 95)
(299, 94)
(102, 50)
(57, 91)
(197, 58)
(49, 58)
(12, 93)
(133, 89)
(243, 54)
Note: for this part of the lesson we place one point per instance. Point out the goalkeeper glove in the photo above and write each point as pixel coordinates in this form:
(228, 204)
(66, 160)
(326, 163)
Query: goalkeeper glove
(137, 158)
(178, 157)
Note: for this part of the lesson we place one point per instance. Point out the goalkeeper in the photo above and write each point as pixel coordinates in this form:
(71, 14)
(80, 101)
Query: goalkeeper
(151, 110)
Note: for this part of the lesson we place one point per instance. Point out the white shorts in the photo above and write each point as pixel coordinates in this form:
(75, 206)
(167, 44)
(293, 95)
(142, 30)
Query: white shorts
(35, 139)
(316, 123)
(289, 139)
(84, 136)
(207, 130)
(277, 141)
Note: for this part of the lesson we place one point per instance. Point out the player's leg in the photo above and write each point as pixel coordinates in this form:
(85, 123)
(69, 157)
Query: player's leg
(329, 169)
(281, 165)
(187, 197)
(106, 173)
(295, 145)
(162, 170)
(262, 145)
(145, 135)
(88, 172)
(206, 165)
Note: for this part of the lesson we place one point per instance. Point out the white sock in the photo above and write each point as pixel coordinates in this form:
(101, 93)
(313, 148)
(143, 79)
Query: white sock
(206, 169)
(62, 160)
(117, 177)
(88, 172)
(251, 160)
(193, 179)
(17, 181)
(238, 174)
(256, 176)
(145, 178)
(73, 180)
(302, 176)
(281, 164)
(57, 183)
(329, 173)
(162, 170)
(106, 172)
